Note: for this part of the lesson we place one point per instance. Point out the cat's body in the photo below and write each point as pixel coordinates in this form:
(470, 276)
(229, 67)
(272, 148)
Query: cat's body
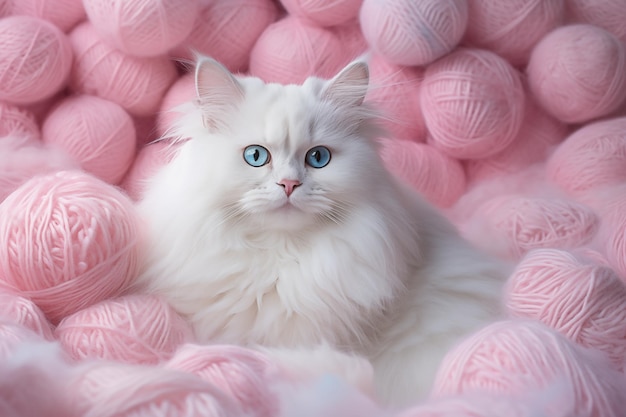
(288, 254)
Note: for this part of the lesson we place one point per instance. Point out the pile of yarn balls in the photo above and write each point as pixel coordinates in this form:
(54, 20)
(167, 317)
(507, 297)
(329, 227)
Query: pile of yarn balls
(510, 116)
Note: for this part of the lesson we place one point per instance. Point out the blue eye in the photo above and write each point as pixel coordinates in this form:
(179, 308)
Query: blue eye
(318, 157)
(256, 155)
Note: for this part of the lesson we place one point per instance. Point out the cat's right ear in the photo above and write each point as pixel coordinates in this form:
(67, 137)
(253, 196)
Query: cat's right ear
(217, 90)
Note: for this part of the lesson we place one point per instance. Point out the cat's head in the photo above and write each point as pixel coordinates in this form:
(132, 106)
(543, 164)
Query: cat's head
(286, 156)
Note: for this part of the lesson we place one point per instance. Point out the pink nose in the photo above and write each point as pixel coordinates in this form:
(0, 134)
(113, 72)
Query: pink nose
(289, 185)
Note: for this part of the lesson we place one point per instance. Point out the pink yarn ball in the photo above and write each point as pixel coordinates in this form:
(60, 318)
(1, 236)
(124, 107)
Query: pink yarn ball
(290, 50)
(137, 84)
(594, 156)
(35, 59)
(97, 133)
(539, 135)
(510, 226)
(182, 91)
(578, 73)
(20, 310)
(512, 28)
(394, 91)
(65, 14)
(324, 12)
(436, 176)
(243, 374)
(584, 301)
(351, 38)
(142, 27)
(610, 15)
(409, 32)
(17, 121)
(611, 238)
(121, 390)
(514, 357)
(473, 103)
(139, 329)
(67, 241)
(227, 31)
(148, 162)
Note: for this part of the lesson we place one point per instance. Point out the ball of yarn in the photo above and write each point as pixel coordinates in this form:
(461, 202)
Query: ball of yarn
(139, 329)
(324, 12)
(97, 133)
(122, 390)
(142, 27)
(408, 32)
(227, 31)
(512, 28)
(243, 374)
(135, 83)
(290, 50)
(436, 176)
(351, 38)
(584, 301)
(394, 91)
(24, 157)
(20, 310)
(17, 121)
(516, 356)
(35, 59)
(65, 14)
(593, 156)
(539, 135)
(67, 241)
(610, 15)
(182, 91)
(147, 163)
(510, 226)
(473, 103)
(578, 73)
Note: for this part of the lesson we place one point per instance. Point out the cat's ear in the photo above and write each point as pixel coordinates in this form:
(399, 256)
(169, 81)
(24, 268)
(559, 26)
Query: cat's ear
(349, 87)
(217, 90)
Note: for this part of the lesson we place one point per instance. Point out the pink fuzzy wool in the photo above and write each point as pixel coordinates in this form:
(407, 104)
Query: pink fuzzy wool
(24, 312)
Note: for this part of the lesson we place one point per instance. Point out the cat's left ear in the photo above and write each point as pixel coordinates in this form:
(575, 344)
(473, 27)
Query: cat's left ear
(349, 87)
(218, 91)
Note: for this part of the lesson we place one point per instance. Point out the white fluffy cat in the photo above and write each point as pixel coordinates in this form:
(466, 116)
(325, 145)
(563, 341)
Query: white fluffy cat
(276, 224)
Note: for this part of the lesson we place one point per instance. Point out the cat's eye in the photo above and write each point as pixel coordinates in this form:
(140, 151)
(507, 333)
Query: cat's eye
(256, 155)
(318, 157)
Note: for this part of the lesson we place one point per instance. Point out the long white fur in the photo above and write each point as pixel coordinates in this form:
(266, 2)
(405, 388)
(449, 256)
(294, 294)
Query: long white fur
(355, 260)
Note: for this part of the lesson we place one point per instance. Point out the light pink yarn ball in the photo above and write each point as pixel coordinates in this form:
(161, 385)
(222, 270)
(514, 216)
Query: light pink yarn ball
(142, 27)
(99, 134)
(584, 301)
(578, 73)
(324, 12)
(512, 28)
(513, 225)
(67, 241)
(290, 50)
(65, 14)
(409, 32)
(148, 162)
(439, 178)
(473, 103)
(35, 59)
(610, 15)
(17, 121)
(227, 31)
(594, 156)
(103, 389)
(395, 93)
(243, 374)
(351, 38)
(182, 91)
(610, 203)
(22, 311)
(539, 135)
(138, 329)
(513, 357)
(137, 84)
